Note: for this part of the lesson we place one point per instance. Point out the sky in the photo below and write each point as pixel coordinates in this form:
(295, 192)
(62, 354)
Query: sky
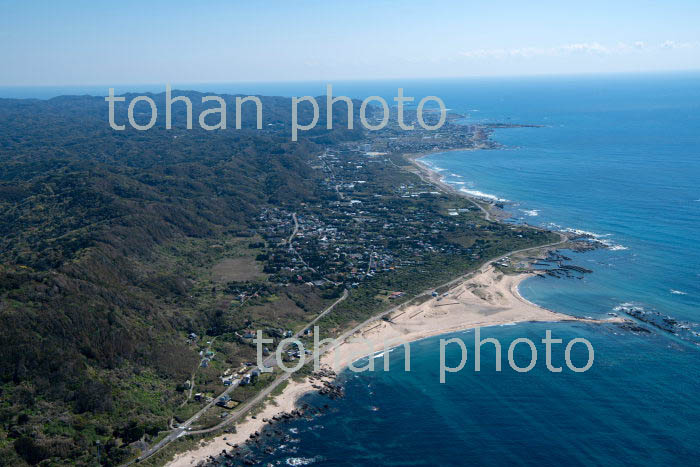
(87, 42)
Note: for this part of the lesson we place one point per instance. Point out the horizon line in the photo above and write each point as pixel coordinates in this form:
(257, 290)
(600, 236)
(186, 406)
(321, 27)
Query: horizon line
(350, 80)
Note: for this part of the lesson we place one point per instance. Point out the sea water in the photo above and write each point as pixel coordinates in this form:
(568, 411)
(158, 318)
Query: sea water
(615, 156)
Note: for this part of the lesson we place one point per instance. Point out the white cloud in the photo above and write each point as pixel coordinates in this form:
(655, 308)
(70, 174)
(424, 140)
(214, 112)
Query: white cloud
(679, 45)
(589, 48)
(584, 47)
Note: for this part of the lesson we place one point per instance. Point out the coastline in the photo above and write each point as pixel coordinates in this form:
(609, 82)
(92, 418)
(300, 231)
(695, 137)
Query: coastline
(484, 298)
(488, 298)
(284, 402)
(428, 175)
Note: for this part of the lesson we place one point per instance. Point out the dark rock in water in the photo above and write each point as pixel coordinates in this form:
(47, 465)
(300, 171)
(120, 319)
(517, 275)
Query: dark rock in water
(634, 328)
(576, 268)
(686, 331)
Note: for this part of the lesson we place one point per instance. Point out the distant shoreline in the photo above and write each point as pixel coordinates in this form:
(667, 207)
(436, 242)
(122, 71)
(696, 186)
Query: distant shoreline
(432, 176)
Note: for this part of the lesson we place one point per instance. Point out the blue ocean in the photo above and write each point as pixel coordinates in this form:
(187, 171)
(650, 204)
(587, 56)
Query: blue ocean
(617, 156)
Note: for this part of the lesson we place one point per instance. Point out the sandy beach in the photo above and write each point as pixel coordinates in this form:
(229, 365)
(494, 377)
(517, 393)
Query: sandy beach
(487, 297)
(284, 402)
(428, 175)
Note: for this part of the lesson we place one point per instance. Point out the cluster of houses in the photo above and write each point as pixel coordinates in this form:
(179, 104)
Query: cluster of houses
(364, 224)
(361, 229)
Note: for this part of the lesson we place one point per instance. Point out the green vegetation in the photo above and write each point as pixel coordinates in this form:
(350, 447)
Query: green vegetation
(137, 264)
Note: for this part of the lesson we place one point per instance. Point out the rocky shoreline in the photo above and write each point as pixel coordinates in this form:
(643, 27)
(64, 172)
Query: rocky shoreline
(322, 381)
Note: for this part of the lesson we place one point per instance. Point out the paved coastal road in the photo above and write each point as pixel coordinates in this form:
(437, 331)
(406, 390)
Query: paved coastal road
(239, 412)
(183, 430)
(285, 376)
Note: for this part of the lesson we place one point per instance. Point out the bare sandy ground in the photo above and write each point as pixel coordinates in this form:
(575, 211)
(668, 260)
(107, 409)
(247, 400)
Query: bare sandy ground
(284, 402)
(489, 298)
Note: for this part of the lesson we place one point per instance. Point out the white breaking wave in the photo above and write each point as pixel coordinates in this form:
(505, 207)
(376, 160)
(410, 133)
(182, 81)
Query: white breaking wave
(584, 232)
(678, 292)
(531, 212)
(481, 194)
(301, 460)
(612, 246)
(628, 307)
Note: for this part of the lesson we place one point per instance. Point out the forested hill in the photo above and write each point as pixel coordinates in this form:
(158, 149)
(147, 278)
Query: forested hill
(86, 213)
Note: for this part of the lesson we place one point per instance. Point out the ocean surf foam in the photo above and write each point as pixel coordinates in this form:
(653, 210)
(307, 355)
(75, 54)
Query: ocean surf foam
(481, 194)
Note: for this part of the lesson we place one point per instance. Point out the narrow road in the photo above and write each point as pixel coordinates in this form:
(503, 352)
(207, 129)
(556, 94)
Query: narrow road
(296, 228)
(239, 412)
(194, 373)
(182, 430)
(291, 237)
(369, 265)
